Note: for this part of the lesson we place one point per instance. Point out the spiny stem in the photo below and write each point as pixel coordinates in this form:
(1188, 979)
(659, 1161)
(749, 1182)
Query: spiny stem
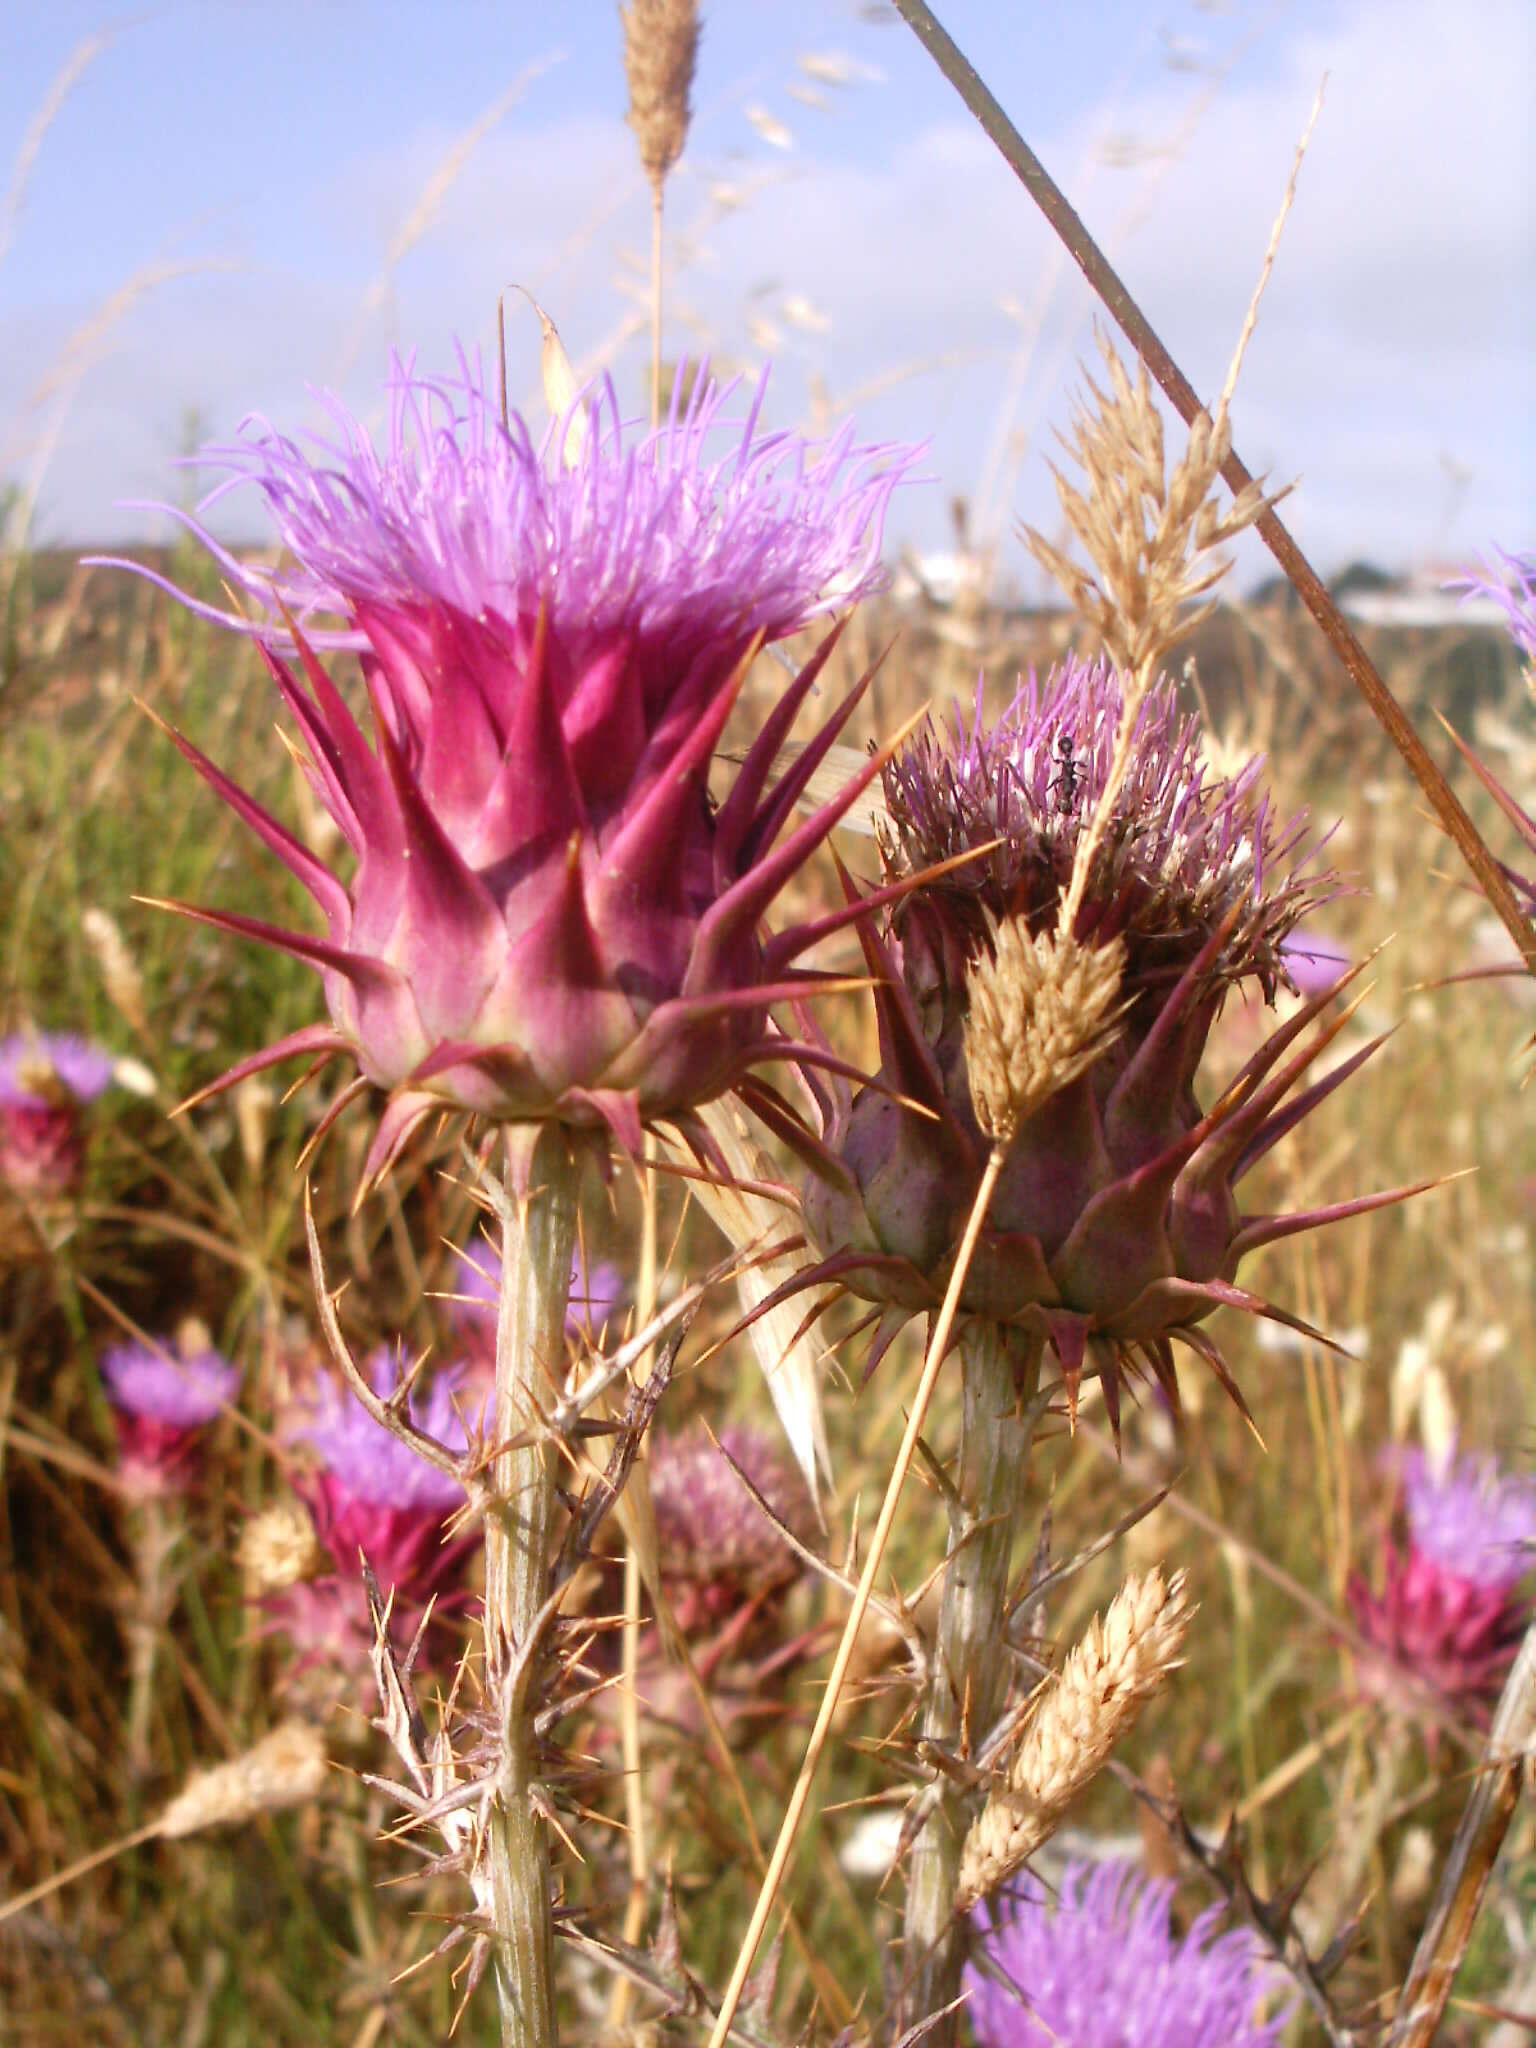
(538, 1221)
(794, 1812)
(1000, 1371)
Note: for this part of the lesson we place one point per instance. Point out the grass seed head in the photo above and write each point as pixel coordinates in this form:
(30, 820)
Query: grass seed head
(1082, 1712)
(286, 1768)
(661, 46)
(1042, 1011)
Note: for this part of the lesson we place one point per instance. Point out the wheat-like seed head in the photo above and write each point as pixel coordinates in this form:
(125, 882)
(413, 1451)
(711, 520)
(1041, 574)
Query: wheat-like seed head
(1042, 1010)
(119, 971)
(1151, 536)
(286, 1768)
(661, 44)
(1080, 1715)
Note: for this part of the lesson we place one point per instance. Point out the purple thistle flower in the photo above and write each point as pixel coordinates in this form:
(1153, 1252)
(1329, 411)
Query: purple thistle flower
(548, 918)
(374, 1494)
(162, 1401)
(592, 1304)
(1449, 1612)
(1114, 1227)
(1103, 1968)
(45, 1080)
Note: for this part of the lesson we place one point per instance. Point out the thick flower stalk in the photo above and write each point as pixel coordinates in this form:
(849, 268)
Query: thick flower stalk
(1098, 1965)
(1450, 1612)
(46, 1080)
(597, 1296)
(549, 917)
(1115, 1227)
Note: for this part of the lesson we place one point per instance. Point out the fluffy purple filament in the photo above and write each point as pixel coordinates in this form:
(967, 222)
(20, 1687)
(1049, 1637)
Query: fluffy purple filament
(656, 537)
(1512, 586)
(1101, 1967)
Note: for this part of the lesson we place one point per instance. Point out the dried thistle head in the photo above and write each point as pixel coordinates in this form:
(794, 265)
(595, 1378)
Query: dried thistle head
(1042, 1010)
(1096, 1697)
(279, 1548)
(661, 45)
(1152, 537)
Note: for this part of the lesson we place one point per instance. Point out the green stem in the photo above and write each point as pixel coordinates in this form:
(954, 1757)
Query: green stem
(1001, 1371)
(539, 1234)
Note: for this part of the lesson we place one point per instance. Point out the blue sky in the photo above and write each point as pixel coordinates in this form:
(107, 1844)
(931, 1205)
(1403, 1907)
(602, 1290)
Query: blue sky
(864, 234)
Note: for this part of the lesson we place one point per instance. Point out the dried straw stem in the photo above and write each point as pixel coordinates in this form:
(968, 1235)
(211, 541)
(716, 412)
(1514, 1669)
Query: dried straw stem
(794, 1812)
(1081, 1714)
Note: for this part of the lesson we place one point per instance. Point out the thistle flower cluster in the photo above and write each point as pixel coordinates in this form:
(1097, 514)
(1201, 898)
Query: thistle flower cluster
(46, 1080)
(162, 1400)
(1114, 1226)
(1100, 1966)
(549, 918)
(1450, 1611)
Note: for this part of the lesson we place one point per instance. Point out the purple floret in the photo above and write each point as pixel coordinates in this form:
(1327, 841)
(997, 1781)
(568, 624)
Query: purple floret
(1512, 586)
(29, 1060)
(367, 1462)
(1102, 1968)
(654, 537)
(161, 1387)
(1470, 1518)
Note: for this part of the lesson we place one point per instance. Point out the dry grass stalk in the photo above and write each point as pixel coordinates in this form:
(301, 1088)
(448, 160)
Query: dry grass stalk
(278, 1548)
(286, 1768)
(661, 45)
(1081, 1714)
(1041, 1010)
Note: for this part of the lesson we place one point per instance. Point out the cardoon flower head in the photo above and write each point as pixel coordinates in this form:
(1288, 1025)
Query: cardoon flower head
(45, 1080)
(1101, 1967)
(718, 1550)
(1450, 1611)
(548, 918)
(162, 1400)
(1114, 1227)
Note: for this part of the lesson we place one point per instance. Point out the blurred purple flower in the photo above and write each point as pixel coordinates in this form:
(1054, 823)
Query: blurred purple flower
(1312, 963)
(45, 1079)
(162, 1401)
(1103, 1968)
(375, 1495)
(550, 917)
(593, 1303)
(1450, 1612)
(718, 1550)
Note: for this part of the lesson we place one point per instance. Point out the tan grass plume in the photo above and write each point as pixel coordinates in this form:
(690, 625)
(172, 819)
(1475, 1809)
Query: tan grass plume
(1041, 1011)
(286, 1768)
(1080, 1715)
(661, 46)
